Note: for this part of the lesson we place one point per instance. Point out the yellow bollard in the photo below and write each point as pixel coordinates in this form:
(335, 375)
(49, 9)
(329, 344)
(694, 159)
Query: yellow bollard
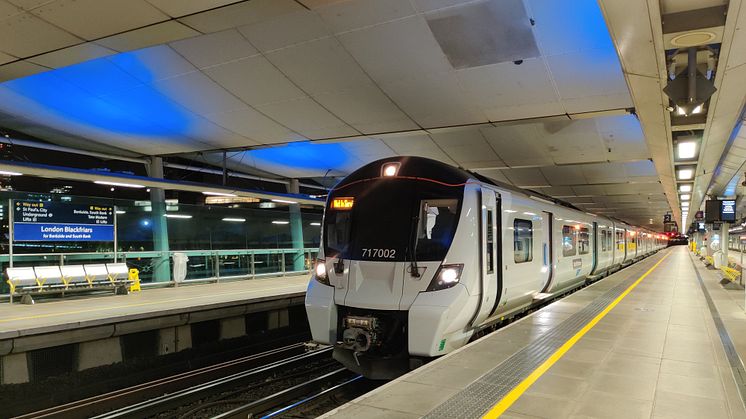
(134, 276)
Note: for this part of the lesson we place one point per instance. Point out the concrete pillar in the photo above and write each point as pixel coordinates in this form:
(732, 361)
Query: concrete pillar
(726, 242)
(296, 229)
(167, 341)
(284, 318)
(278, 318)
(162, 270)
(232, 327)
(99, 352)
(15, 369)
(183, 337)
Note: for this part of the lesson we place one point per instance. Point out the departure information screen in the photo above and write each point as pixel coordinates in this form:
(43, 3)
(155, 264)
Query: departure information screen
(728, 210)
(55, 221)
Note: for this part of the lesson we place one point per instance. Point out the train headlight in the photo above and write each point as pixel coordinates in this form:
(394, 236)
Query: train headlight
(446, 277)
(321, 274)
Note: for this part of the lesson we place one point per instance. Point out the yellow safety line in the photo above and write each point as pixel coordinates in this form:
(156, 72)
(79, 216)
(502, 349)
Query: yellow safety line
(149, 303)
(504, 404)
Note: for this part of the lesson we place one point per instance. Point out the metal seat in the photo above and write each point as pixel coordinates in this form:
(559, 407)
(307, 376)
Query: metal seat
(73, 274)
(96, 273)
(118, 271)
(48, 275)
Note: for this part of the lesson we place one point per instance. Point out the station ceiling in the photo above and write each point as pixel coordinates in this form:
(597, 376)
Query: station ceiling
(553, 96)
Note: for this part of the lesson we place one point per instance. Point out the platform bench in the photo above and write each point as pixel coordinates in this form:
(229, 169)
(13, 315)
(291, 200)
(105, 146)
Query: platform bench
(68, 278)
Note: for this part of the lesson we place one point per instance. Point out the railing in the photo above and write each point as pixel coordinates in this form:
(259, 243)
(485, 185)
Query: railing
(203, 265)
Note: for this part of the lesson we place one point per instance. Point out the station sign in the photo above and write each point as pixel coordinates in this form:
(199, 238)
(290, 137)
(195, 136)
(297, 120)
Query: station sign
(728, 210)
(699, 215)
(666, 218)
(54, 221)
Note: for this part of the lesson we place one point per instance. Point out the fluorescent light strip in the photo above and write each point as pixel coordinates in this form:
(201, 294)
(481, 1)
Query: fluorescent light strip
(218, 193)
(315, 224)
(235, 220)
(6, 173)
(177, 216)
(121, 212)
(124, 185)
(284, 201)
(280, 222)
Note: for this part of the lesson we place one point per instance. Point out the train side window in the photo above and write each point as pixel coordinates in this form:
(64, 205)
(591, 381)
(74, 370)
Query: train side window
(490, 243)
(584, 241)
(523, 241)
(620, 240)
(569, 241)
(603, 240)
(609, 244)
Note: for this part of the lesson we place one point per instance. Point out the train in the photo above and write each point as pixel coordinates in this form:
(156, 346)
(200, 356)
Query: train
(418, 257)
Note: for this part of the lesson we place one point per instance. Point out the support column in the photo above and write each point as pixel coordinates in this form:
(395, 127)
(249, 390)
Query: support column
(162, 265)
(726, 243)
(296, 228)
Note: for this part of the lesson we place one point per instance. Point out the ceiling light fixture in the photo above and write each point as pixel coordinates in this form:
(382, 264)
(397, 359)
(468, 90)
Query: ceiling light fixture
(685, 197)
(217, 193)
(6, 173)
(124, 185)
(685, 174)
(280, 222)
(686, 149)
(234, 220)
(184, 216)
(685, 188)
(284, 201)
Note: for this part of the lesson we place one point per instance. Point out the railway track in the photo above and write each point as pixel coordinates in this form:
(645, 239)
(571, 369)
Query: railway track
(100, 404)
(210, 399)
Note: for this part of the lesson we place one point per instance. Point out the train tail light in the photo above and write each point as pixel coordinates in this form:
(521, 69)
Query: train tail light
(320, 272)
(446, 277)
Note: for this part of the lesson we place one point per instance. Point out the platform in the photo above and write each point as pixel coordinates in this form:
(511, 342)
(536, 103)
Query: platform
(645, 342)
(65, 314)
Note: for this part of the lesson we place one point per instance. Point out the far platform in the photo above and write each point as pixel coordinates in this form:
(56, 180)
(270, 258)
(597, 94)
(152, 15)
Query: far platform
(78, 312)
(624, 347)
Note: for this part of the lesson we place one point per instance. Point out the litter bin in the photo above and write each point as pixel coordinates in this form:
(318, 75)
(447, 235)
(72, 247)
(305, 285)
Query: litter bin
(180, 267)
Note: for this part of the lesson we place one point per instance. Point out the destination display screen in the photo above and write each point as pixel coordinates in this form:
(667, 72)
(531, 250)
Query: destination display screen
(728, 210)
(342, 203)
(54, 221)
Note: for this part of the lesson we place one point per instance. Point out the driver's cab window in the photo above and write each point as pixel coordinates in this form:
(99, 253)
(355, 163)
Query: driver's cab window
(437, 220)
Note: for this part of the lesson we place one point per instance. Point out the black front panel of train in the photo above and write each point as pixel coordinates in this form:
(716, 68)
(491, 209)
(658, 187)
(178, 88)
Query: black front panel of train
(388, 217)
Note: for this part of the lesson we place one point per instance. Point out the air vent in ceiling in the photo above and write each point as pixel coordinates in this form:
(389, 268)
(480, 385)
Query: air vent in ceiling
(484, 32)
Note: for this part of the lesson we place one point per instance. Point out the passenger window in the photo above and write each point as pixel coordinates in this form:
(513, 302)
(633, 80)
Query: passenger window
(490, 243)
(568, 241)
(603, 240)
(523, 241)
(610, 241)
(620, 240)
(584, 241)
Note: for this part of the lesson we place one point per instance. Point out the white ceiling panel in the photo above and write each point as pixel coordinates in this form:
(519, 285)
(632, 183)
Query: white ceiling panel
(430, 5)
(198, 93)
(255, 81)
(91, 19)
(563, 175)
(526, 178)
(495, 174)
(215, 48)
(417, 145)
(588, 190)
(568, 27)
(285, 30)
(19, 69)
(348, 15)
(178, 8)
(25, 35)
(518, 145)
(508, 84)
(468, 148)
(642, 168)
(308, 118)
(148, 36)
(320, 66)
(517, 112)
(367, 150)
(6, 58)
(7, 9)
(72, 55)
(604, 172)
(153, 64)
(624, 136)
(110, 79)
(367, 109)
(29, 4)
(618, 100)
(239, 14)
(434, 100)
(558, 191)
(572, 141)
(401, 49)
(255, 126)
(588, 73)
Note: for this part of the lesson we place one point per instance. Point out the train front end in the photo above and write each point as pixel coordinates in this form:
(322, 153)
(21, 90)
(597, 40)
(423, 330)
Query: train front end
(387, 287)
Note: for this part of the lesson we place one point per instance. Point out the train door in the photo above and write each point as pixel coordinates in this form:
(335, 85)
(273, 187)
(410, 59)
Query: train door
(489, 248)
(548, 250)
(594, 251)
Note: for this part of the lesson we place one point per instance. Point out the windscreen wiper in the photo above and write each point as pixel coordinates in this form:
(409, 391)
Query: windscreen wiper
(414, 270)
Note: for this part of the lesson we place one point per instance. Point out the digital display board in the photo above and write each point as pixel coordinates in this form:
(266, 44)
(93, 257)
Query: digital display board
(343, 203)
(712, 211)
(728, 210)
(54, 221)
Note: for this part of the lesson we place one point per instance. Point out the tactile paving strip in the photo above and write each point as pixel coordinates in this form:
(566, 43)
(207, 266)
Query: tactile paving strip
(476, 399)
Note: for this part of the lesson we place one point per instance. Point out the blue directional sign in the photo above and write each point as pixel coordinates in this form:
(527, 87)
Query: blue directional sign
(54, 221)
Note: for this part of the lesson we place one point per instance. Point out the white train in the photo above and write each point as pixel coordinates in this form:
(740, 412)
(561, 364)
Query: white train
(418, 256)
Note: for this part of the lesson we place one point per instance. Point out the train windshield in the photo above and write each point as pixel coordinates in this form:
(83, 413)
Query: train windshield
(384, 220)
